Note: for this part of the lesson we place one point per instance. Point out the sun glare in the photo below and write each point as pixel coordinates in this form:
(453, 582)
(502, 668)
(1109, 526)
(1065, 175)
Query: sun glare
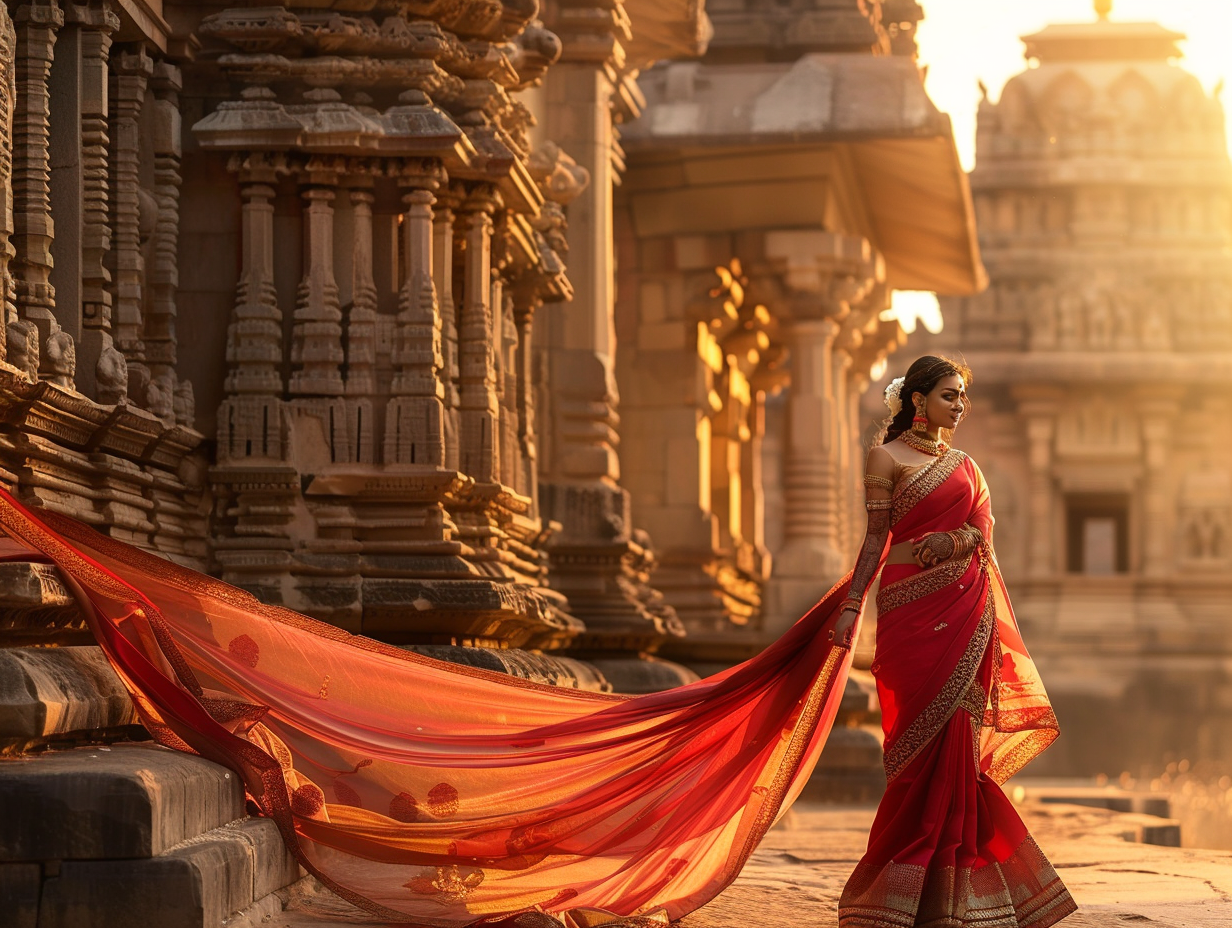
(964, 42)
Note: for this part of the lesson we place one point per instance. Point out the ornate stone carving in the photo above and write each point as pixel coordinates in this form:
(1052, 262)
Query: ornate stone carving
(131, 72)
(415, 417)
(36, 25)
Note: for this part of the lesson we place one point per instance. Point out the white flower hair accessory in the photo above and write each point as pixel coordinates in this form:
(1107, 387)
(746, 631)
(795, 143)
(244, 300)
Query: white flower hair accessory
(893, 401)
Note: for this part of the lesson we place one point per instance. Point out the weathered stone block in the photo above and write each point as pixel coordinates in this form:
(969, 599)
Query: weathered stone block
(125, 801)
(53, 691)
(35, 607)
(273, 865)
(194, 887)
(19, 894)
(198, 884)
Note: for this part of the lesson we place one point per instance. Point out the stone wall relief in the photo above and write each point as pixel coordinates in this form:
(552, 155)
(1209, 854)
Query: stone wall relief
(1204, 522)
(1102, 315)
(1099, 426)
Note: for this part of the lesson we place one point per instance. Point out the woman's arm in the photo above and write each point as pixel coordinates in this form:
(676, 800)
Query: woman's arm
(879, 485)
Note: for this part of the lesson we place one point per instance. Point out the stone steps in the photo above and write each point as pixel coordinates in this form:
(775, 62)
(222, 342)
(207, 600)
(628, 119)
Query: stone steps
(131, 835)
(55, 694)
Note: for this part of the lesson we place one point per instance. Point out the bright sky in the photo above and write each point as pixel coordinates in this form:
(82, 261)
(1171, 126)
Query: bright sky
(964, 41)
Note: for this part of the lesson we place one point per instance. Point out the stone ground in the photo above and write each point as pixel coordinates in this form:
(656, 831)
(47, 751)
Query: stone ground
(794, 878)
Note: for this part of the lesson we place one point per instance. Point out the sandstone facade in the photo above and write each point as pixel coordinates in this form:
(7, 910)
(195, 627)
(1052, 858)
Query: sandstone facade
(1101, 353)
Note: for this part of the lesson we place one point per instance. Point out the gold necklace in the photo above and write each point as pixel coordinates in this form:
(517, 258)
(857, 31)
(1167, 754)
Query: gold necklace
(934, 446)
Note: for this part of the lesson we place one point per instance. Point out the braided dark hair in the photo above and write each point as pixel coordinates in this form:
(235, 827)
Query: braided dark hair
(921, 377)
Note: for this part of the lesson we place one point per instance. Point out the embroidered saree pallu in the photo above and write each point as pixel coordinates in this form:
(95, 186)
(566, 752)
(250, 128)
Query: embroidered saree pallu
(443, 795)
(963, 709)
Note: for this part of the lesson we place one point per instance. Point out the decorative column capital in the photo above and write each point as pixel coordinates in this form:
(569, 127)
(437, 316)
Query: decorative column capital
(39, 13)
(591, 31)
(825, 273)
(132, 62)
(418, 173)
(95, 14)
(264, 168)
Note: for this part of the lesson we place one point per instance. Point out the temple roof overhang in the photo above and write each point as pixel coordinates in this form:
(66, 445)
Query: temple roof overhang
(739, 147)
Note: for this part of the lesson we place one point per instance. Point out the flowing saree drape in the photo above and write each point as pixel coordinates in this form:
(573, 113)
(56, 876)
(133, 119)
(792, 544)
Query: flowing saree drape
(963, 709)
(445, 795)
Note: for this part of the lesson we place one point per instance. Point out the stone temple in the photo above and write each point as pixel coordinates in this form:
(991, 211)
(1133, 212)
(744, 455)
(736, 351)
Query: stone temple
(529, 336)
(1102, 351)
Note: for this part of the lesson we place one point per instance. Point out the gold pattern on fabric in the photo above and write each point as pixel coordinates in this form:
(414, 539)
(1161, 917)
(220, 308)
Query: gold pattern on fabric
(1022, 891)
(878, 505)
(917, 486)
(974, 700)
(877, 482)
(924, 727)
(1031, 727)
(901, 592)
(452, 884)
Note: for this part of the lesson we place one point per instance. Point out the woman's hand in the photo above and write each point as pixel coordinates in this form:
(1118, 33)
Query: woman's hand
(933, 548)
(844, 630)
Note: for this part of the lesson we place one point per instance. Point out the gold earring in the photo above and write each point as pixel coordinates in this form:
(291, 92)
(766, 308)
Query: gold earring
(920, 422)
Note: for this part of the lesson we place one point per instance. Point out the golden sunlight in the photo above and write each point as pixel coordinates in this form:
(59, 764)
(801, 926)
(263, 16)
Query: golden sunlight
(966, 42)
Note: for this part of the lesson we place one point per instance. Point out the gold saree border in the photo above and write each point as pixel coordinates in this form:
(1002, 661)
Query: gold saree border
(924, 481)
(1023, 891)
(902, 592)
(925, 726)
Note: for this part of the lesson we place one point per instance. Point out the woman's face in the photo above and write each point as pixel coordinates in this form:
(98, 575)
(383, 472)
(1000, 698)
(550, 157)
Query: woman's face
(946, 403)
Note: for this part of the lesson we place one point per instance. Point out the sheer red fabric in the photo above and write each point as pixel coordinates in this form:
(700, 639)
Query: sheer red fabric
(445, 795)
(963, 709)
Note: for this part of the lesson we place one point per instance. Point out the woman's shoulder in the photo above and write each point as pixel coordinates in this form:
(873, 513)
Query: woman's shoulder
(880, 462)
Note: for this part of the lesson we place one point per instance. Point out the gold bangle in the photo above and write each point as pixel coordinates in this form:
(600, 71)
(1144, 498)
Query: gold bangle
(878, 505)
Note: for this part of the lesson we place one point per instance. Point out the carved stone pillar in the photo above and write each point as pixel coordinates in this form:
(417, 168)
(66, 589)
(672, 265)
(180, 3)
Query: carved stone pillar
(162, 277)
(1157, 552)
(316, 335)
(753, 490)
(103, 373)
(844, 428)
(579, 337)
(447, 201)
(8, 311)
(506, 339)
(361, 330)
(825, 273)
(249, 422)
(50, 351)
(1039, 415)
(131, 73)
(527, 479)
(811, 466)
(480, 408)
(414, 422)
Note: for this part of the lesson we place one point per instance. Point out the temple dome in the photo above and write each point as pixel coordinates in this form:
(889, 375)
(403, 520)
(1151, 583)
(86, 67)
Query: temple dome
(1111, 85)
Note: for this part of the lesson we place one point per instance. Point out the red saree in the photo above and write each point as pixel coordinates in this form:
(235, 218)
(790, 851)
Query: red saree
(446, 795)
(963, 709)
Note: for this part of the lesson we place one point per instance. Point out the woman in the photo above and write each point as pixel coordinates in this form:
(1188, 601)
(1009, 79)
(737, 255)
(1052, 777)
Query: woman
(962, 705)
(445, 795)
